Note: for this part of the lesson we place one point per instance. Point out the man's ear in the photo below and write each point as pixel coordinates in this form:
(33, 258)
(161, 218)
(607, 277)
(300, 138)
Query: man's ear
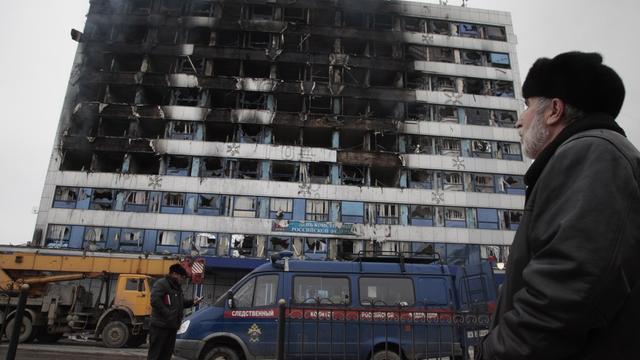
(555, 112)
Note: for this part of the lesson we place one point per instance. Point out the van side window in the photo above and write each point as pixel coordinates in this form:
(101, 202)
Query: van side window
(474, 290)
(435, 291)
(386, 291)
(323, 290)
(259, 291)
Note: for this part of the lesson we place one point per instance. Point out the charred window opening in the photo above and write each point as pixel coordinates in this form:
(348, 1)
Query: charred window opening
(132, 34)
(224, 99)
(178, 165)
(417, 80)
(231, 12)
(357, 47)
(76, 161)
(495, 33)
(261, 12)
(383, 78)
(444, 83)
(320, 105)
(321, 44)
(257, 40)
(355, 107)
(452, 181)
(320, 73)
(98, 32)
(167, 35)
(439, 27)
(294, 42)
(256, 69)
(480, 117)
(284, 171)
(199, 36)
(352, 140)
(127, 63)
(295, 15)
(212, 167)
(181, 130)
(469, 30)
(98, 62)
(383, 22)
(355, 76)
(190, 65)
(151, 129)
(92, 92)
(474, 86)
(107, 162)
(102, 7)
(414, 24)
(483, 183)
(384, 142)
(354, 175)
(247, 169)
(113, 127)
(385, 109)
(219, 132)
(289, 102)
(243, 245)
(416, 52)
(449, 146)
(347, 249)
(387, 214)
(121, 94)
(447, 114)
(250, 133)
(502, 88)
(384, 176)
(202, 8)
(223, 67)
(253, 100)
(139, 7)
(323, 17)
(471, 57)
(102, 199)
(161, 64)
(187, 96)
(155, 95)
(506, 118)
(171, 7)
(421, 179)
(227, 38)
(286, 135)
(319, 173)
(441, 54)
(146, 164)
(313, 137)
(383, 50)
(290, 71)
(353, 19)
(418, 112)
(419, 144)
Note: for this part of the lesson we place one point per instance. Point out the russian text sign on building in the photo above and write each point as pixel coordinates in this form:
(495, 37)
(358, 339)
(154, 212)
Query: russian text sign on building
(314, 227)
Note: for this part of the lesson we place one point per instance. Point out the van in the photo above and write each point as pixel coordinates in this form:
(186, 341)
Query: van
(384, 307)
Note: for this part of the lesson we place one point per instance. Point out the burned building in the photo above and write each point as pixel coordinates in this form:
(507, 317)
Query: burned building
(235, 129)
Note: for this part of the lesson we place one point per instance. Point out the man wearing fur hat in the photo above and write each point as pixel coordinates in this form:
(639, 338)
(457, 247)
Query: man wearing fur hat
(572, 290)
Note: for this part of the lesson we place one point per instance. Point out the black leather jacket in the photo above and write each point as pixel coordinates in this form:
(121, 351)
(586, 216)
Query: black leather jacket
(168, 303)
(572, 286)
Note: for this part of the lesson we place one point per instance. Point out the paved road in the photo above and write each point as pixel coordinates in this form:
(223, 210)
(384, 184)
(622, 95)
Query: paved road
(72, 350)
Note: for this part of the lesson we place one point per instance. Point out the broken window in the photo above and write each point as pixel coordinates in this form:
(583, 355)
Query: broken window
(421, 215)
(385, 142)
(171, 7)
(247, 169)
(227, 38)
(356, 47)
(279, 243)
(418, 112)
(481, 117)
(452, 181)
(495, 33)
(383, 22)
(487, 218)
(244, 206)
(189, 65)
(187, 96)
(58, 236)
(284, 171)
(127, 63)
(102, 199)
(419, 144)
(76, 161)
(503, 88)
(352, 140)
(446, 114)
(386, 109)
(315, 245)
(205, 243)
(469, 30)
(384, 176)
(202, 8)
(512, 219)
(321, 45)
(250, 133)
(295, 15)
(383, 78)
(107, 162)
(506, 118)
(512, 184)
(261, 12)
(454, 217)
(289, 102)
(444, 83)
(256, 69)
(172, 203)
(253, 100)
(94, 237)
(136, 201)
(286, 135)
(168, 238)
(387, 214)
(352, 212)
(281, 209)
(509, 151)
(355, 76)
(481, 148)
(178, 165)
(167, 35)
(439, 27)
(294, 42)
(147, 164)
(449, 146)
(115, 127)
(210, 204)
(231, 11)
(319, 173)
(65, 197)
(346, 249)
(131, 237)
(199, 36)
(161, 64)
(414, 24)
(323, 17)
(317, 210)
(483, 183)
(355, 107)
(118, 94)
(382, 49)
(182, 130)
(417, 80)
(416, 52)
(132, 34)
(474, 86)
(354, 175)
(441, 54)
(219, 132)
(421, 179)
(257, 40)
(355, 19)
(471, 57)
(224, 99)
(320, 73)
(320, 105)
(499, 60)
(212, 167)
(291, 71)
(242, 245)
(138, 7)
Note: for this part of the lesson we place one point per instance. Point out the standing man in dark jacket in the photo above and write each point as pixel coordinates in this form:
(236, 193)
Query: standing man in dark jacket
(572, 289)
(167, 310)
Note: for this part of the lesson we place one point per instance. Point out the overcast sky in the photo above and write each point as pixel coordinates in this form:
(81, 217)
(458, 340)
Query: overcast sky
(37, 53)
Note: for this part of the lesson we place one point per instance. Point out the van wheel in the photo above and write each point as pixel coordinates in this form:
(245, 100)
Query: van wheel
(27, 331)
(385, 355)
(222, 353)
(115, 334)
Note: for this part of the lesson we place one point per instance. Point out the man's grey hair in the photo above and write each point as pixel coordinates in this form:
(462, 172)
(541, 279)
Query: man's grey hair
(571, 113)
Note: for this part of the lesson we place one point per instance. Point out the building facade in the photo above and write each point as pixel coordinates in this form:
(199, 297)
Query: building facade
(234, 129)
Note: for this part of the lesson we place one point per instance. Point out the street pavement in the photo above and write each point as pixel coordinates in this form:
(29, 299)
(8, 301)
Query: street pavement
(70, 350)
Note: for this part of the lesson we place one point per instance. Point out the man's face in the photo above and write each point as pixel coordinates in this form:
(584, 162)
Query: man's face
(534, 133)
(179, 278)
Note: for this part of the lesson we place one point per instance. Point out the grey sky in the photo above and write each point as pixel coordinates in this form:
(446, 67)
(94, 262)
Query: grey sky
(37, 53)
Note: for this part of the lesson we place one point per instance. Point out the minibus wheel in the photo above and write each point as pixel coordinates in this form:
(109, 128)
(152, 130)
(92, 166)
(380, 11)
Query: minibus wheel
(221, 353)
(385, 355)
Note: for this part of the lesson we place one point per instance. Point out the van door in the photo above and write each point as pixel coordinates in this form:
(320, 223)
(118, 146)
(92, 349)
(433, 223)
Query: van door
(254, 314)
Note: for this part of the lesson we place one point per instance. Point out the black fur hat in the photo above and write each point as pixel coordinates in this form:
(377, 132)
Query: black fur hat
(579, 79)
(177, 269)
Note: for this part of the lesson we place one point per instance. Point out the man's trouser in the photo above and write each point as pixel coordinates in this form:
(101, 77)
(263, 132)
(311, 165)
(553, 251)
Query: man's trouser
(161, 343)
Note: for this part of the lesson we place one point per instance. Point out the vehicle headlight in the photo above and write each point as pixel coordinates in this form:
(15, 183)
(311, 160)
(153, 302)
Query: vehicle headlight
(184, 327)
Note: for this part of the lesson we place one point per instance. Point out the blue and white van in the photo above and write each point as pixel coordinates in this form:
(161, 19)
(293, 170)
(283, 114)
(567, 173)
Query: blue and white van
(372, 308)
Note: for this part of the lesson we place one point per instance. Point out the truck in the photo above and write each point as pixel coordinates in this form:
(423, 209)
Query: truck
(89, 295)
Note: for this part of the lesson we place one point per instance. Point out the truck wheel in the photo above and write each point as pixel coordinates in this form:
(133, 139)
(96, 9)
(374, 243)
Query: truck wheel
(115, 334)
(385, 355)
(26, 330)
(137, 340)
(221, 353)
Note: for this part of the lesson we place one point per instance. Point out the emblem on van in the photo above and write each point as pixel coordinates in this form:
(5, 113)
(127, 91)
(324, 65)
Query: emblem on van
(254, 333)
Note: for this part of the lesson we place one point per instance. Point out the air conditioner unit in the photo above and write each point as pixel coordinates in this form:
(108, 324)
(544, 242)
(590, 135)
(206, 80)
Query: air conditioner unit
(480, 146)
